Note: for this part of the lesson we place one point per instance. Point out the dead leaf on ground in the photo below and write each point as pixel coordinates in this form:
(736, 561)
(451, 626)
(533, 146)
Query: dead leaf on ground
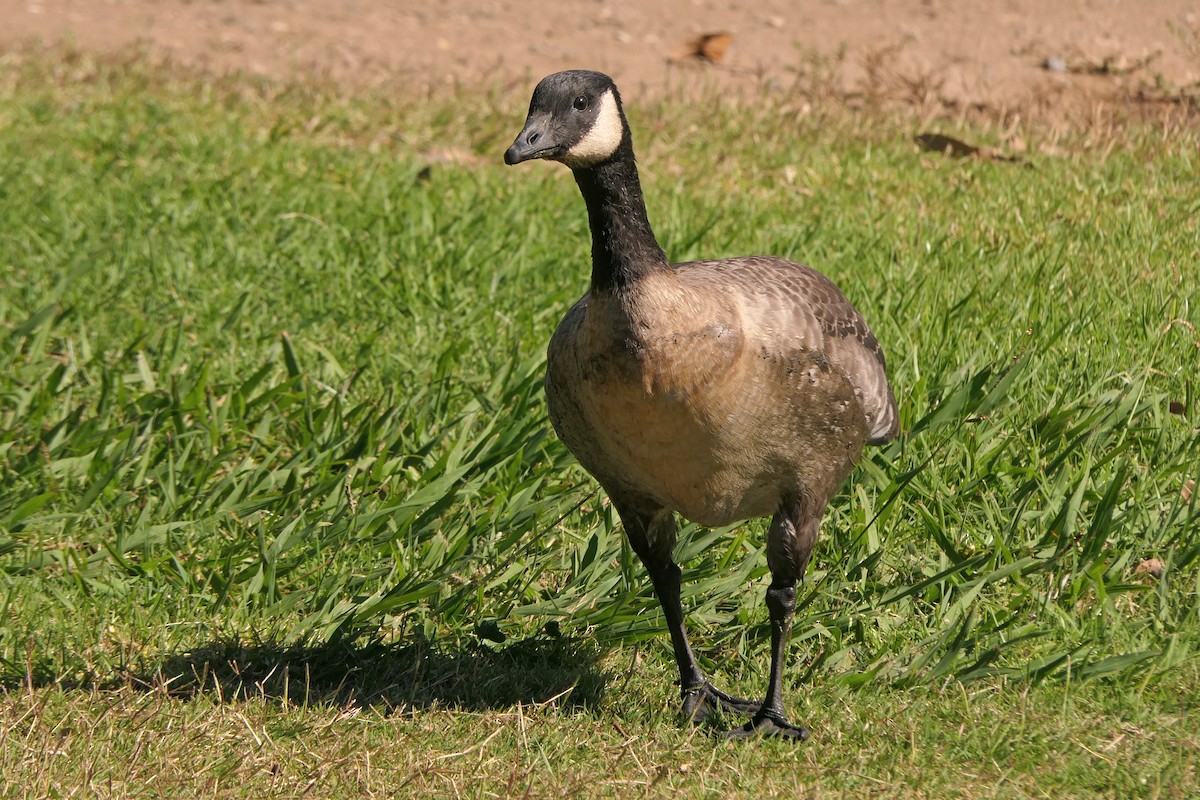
(1151, 566)
(957, 148)
(708, 47)
(1186, 491)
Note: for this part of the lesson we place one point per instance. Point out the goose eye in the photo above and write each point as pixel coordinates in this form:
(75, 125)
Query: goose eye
(580, 103)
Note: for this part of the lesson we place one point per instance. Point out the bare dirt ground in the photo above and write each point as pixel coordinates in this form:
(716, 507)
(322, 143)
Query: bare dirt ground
(1009, 55)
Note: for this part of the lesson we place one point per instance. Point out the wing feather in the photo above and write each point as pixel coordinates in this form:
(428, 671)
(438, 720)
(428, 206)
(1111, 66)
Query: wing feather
(791, 307)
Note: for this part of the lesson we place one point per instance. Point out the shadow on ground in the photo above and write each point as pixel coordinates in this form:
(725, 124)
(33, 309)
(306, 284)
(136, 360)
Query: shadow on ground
(416, 674)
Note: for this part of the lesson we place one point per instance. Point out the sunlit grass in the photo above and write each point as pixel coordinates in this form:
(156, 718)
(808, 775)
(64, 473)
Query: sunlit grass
(270, 379)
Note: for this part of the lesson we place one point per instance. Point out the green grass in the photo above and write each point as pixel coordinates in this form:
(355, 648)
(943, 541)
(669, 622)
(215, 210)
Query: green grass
(279, 502)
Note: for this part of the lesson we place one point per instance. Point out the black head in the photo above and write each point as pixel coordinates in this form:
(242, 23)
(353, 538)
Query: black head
(575, 117)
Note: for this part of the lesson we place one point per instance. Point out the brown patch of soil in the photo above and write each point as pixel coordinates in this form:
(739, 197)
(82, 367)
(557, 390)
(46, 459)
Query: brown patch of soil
(1013, 56)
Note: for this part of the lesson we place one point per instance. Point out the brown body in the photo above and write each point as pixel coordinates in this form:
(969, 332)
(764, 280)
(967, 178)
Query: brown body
(715, 389)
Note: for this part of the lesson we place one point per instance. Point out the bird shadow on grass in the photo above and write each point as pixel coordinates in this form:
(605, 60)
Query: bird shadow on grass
(399, 677)
(393, 677)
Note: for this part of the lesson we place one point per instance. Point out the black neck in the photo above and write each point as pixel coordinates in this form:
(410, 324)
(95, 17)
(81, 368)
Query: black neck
(623, 245)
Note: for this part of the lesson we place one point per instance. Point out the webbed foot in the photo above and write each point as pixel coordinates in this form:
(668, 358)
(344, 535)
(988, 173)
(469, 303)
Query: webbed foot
(775, 727)
(700, 702)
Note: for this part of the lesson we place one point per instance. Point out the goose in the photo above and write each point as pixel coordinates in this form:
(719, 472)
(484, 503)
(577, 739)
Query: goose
(718, 390)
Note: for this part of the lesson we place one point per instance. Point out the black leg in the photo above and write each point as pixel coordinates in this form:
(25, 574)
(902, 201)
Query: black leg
(652, 536)
(789, 546)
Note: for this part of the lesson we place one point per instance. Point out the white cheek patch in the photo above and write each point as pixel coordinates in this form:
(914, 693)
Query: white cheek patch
(602, 139)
